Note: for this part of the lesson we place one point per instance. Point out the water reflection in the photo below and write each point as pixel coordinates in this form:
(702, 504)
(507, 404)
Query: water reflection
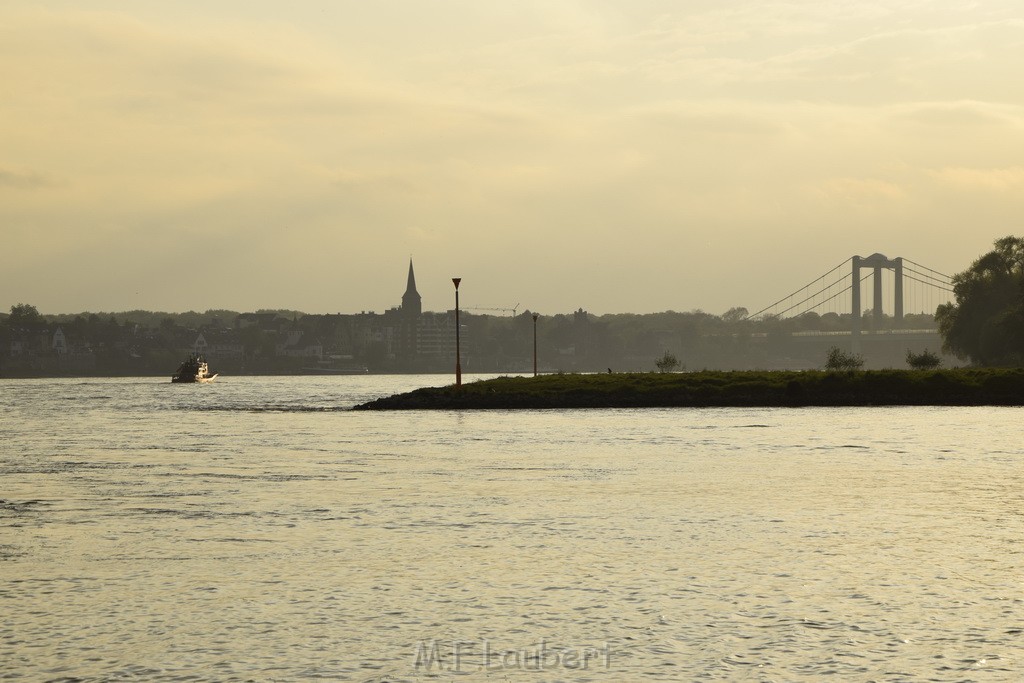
(154, 533)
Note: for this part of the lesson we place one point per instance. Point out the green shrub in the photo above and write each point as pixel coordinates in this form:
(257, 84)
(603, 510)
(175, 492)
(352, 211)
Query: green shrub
(841, 360)
(926, 360)
(667, 363)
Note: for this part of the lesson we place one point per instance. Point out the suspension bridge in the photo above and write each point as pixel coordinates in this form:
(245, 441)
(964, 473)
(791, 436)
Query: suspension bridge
(900, 286)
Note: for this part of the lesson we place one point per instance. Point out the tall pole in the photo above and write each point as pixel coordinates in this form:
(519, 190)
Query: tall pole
(898, 303)
(535, 316)
(855, 306)
(876, 315)
(458, 355)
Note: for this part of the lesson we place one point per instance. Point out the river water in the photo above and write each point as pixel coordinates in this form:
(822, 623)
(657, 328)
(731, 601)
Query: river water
(256, 529)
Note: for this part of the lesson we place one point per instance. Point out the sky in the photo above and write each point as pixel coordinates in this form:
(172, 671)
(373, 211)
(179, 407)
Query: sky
(635, 156)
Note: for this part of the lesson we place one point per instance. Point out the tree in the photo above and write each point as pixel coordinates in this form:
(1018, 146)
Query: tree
(735, 315)
(841, 360)
(986, 323)
(24, 315)
(667, 363)
(926, 360)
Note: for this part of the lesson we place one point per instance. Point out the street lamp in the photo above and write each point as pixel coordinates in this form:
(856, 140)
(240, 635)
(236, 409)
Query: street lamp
(535, 316)
(458, 355)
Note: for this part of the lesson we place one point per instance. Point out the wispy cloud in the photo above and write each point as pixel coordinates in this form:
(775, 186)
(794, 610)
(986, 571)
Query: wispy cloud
(26, 180)
(1009, 179)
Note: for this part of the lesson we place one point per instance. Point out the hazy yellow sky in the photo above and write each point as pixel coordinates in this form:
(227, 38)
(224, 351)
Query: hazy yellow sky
(616, 156)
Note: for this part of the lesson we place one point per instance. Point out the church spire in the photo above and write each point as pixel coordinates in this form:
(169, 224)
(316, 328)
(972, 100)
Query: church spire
(411, 286)
(411, 301)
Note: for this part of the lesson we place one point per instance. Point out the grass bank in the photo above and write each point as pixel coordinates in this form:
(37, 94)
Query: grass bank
(958, 387)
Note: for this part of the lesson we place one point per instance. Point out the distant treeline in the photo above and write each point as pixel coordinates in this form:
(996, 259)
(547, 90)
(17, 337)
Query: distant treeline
(732, 320)
(188, 319)
(289, 341)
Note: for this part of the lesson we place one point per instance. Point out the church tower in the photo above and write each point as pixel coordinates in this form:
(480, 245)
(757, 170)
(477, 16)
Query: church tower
(409, 322)
(412, 305)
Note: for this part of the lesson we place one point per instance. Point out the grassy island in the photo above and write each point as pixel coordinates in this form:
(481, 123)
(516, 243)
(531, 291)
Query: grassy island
(956, 387)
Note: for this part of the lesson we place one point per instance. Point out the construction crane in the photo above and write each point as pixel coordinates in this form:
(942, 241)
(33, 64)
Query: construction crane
(513, 309)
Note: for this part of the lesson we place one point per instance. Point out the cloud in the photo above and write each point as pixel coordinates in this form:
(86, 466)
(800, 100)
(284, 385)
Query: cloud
(997, 180)
(330, 142)
(947, 62)
(953, 115)
(860, 190)
(418, 233)
(26, 180)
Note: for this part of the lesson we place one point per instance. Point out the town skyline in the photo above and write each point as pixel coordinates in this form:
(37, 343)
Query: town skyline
(411, 301)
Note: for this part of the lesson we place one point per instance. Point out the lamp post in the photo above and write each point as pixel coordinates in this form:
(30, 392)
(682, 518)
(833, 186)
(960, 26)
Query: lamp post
(458, 355)
(535, 316)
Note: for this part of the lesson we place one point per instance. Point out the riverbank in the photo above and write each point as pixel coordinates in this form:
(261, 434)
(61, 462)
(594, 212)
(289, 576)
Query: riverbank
(955, 387)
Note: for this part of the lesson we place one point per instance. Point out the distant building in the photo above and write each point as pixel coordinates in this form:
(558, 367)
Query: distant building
(435, 335)
(60, 342)
(218, 346)
(298, 344)
(425, 340)
(408, 321)
(412, 303)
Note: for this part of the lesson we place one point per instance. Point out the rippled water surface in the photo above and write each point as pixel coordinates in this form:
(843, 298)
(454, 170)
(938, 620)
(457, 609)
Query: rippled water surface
(255, 529)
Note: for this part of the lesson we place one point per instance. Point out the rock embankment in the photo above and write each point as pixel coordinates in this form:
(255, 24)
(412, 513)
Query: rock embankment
(957, 387)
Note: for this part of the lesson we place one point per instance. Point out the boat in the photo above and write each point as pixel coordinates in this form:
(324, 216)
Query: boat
(194, 369)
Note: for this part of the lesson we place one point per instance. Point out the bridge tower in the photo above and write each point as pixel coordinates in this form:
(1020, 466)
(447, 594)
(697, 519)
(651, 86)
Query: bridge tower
(876, 262)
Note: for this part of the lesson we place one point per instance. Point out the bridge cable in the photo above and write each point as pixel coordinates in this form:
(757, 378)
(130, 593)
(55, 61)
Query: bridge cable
(832, 298)
(906, 260)
(781, 313)
(754, 315)
(930, 277)
(930, 284)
